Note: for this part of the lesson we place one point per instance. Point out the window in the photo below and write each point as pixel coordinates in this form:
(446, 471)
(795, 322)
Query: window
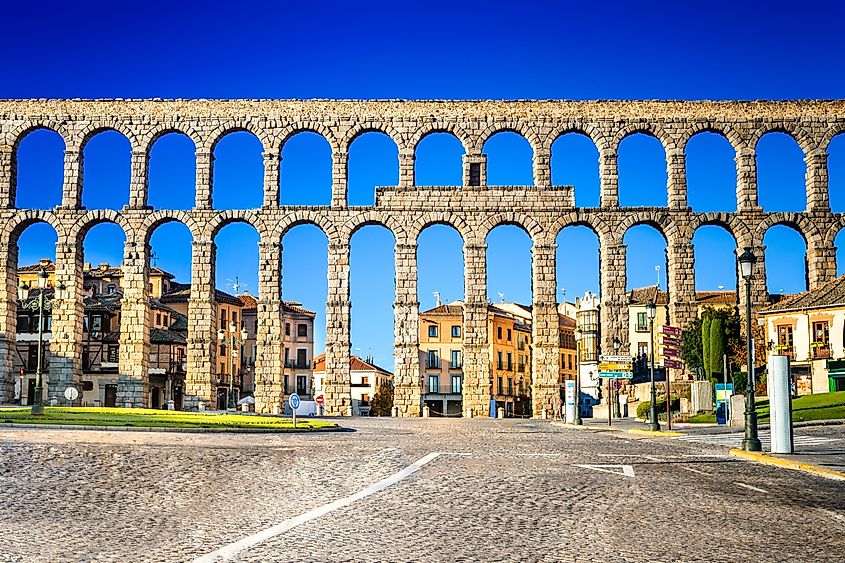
(509, 335)
(302, 329)
(365, 380)
(158, 319)
(301, 358)
(222, 367)
(433, 383)
(222, 349)
(642, 322)
(457, 381)
(111, 289)
(32, 357)
(510, 386)
(432, 331)
(499, 332)
(235, 317)
(113, 354)
(301, 385)
(287, 357)
(433, 359)
(455, 360)
(821, 340)
(456, 331)
(642, 349)
(569, 360)
(499, 359)
(222, 318)
(510, 361)
(365, 400)
(499, 384)
(25, 324)
(475, 174)
(785, 340)
(287, 385)
(86, 358)
(96, 323)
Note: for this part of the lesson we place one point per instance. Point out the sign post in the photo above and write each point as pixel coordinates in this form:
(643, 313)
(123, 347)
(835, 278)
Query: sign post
(71, 393)
(614, 367)
(293, 401)
(670, 338)
(319, 400)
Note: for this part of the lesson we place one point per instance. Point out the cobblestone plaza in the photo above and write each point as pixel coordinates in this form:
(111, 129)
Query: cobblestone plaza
(498, 491)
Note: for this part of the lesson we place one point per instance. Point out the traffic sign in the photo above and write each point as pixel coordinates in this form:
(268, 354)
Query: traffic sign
(616, 366)
(669, 341)
(71, 393)
(673, 364)
(671, 330)
(616, 374)
(319, 400)
(294, 401)
(670, 352)
(628, 359)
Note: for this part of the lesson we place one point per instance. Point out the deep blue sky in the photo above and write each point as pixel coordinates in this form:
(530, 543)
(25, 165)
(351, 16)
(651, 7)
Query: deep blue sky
(416, 49)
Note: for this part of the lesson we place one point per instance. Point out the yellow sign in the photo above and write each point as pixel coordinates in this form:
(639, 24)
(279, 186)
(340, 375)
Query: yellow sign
(615, 366)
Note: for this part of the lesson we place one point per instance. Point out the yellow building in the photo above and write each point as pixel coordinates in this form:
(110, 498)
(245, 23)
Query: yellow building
(566, 331)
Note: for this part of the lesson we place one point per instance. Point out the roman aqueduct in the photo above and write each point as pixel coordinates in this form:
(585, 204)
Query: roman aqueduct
(474, 209)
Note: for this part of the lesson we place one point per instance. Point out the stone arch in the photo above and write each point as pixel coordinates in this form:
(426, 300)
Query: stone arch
(439, 218)
(589, 130)
(832, 132)
(22, 220)
(158, 218)
(367, 218)
(834, 230)
(728, 221)
(578, 219)
(660, 221)
(372, 126)
(281, 136)
(526, 130)
(229, 216)
(725, 130)
(92, 129)
(162, 129)
(528, 224)
(431, 127)
(794, 220)
(80, 229)
(19, 133)
(646, 128)
(247, 125)
(306, 217)
(805, 141)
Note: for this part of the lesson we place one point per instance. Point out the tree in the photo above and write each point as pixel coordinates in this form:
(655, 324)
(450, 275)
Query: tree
(691, 346)
(705, 342)
(718, 339)
(382, 402)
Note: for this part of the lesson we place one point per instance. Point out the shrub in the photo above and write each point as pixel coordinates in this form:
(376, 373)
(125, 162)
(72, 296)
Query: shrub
(643, 408)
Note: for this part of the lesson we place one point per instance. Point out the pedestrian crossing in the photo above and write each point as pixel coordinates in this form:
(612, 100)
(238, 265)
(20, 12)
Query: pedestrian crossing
(734, 440)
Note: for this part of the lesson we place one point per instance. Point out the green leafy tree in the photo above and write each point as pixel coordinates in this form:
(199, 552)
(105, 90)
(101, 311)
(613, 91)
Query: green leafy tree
(382, 402)
(718, 339)
(705, 342)
(691, 346)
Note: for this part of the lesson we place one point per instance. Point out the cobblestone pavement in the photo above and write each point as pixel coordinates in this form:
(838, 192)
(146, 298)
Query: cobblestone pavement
(516, 492)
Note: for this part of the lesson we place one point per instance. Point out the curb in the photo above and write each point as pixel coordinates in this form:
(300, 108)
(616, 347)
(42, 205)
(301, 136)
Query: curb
(655, 433)
(582, 427)
(765, 459)
(165, 429)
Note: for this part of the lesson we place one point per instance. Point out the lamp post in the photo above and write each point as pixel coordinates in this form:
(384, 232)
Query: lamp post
(578, 336)
(651, 310)
(617, 412)
(40, 306)
(233, 341)
(751, 443)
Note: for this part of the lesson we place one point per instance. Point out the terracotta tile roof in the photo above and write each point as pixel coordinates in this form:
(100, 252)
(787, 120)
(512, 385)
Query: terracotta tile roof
(642, 295)
(565, 321)
(448, 309)
(355, 364)
(830, 294)
(721, 297)
(296, 307)
(181, 292)
(248, 301)
(159, 336)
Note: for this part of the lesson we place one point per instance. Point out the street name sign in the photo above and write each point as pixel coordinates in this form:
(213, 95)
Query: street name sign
(669, 341)
(616, 367)
(673, 364)
(671, 330)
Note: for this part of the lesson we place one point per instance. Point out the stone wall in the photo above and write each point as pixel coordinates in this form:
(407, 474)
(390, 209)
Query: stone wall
(541, 209)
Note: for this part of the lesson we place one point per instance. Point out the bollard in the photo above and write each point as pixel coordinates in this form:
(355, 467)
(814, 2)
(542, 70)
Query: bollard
(500, 412)
(426, 412)
(276, 409)
(200, 406)
(545, 414)
(394, 412)
(244, 407)
(349, 411)
(781, 404)
(469, 413)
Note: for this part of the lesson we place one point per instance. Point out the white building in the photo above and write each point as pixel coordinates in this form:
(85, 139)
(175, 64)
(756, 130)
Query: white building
(366, 378)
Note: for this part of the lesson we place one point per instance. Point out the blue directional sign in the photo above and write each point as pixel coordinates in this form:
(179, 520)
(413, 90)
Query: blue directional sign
(294, 401)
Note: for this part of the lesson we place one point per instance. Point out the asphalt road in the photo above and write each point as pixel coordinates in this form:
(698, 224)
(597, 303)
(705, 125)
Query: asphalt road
(481, 490)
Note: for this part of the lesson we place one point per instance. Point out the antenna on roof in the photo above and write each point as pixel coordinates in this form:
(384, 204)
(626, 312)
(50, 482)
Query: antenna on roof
(501, 297)
(657, 269)
(154, 259)
(563, 291)
(437, 298)
(235, 285)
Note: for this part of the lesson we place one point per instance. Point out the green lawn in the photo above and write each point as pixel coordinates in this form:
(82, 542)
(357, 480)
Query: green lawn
(823, 406)
(91, 416)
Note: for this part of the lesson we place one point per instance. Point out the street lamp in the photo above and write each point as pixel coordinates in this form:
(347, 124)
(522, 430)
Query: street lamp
(651, 310)
(233, 341)
(579, 334)
(751, 443)
(617, 411)
(40, 306)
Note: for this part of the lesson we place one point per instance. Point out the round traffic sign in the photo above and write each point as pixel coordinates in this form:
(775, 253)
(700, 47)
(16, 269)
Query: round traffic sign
(294, 401)
(71, 393)
(319, 399)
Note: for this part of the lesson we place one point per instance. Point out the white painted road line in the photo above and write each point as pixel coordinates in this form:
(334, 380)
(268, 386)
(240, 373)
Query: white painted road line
(750, 487)
(693, 470)
(625, 470)
(227, 552)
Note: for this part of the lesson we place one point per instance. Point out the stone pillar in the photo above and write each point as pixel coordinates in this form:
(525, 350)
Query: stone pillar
(614, 299)
(272, 166)
(407, 158)
(139, 179)
(337, 383)
(471, 163)
(68, 310)
(683, 307)
(818, 196)
(545, 339)
(72, 186)
(676, 172)
(8, 177)
(269, 368)
(478, 376)
(200, 380)
(340, 172)
(746, 180)
(609, 177)
(542, 166)
(821, 265)
(8, 316)
(406, 342)
(133, 385)
(205, 179)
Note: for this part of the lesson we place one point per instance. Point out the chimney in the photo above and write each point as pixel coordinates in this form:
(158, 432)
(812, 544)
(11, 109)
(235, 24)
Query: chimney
(104, 265)
(44, 262)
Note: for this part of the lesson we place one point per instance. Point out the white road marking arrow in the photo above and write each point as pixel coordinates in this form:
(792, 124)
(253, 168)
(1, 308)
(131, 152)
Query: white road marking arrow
(625, 470)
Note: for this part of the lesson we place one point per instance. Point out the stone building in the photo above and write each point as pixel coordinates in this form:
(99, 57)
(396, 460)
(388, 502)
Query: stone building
(473, 209)
(366, 379)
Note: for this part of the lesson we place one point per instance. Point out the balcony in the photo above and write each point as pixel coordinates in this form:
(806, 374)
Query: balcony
(641, 328)
(821, 351)
(293, 364)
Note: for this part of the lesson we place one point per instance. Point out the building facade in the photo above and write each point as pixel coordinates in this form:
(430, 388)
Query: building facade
(367, 377)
